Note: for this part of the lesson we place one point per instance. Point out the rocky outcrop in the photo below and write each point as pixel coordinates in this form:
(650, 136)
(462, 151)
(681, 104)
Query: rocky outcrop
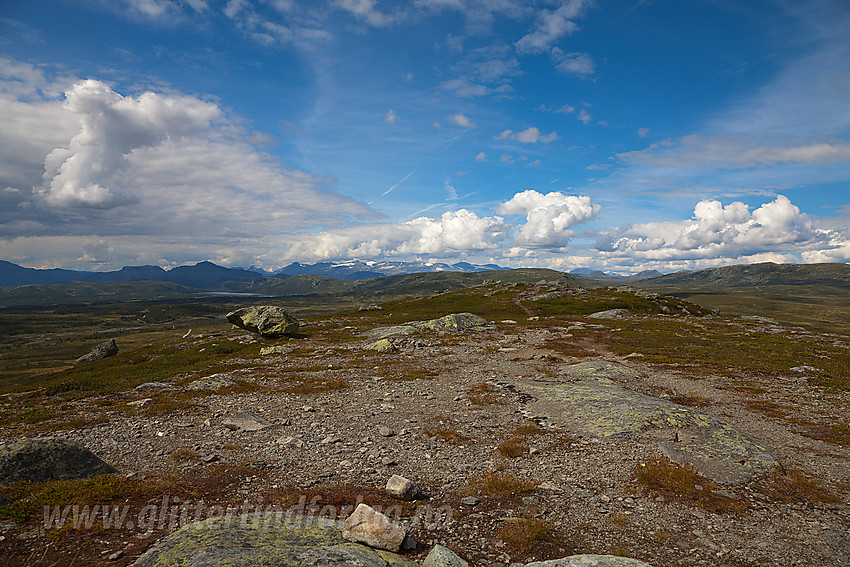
(268, 539)
(598, 406)
(453, 323)
(266, 320)
(99, 352)
(37, 460)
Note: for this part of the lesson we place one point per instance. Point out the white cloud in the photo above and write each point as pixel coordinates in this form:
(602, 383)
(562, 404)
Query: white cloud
(584, 116)
(391, 117)
(453, 233)
(717, 231)
(735, 152)
(579, 64)
(643, 132)
(530, 135)
(465, 88)
(481, 157)
(87, 172)
(551, 25)
(461, 120)
(549, 216)
(150, 173)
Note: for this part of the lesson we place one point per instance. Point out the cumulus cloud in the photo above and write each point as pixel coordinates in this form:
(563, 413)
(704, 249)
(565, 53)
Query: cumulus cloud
(391, 117)
(481, 157)
(549, 216)
(584, 116)
(530, 135)
(153, 172)
(453, 233)
(551, 25)
(87, 171)
(718, 231)
(461, 120)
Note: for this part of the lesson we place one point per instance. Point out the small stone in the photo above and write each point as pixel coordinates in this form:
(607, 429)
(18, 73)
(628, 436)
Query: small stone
(388, 461)
(116, 556)
(275, 349)
(367, 525)
(441, 556)
(140, 403)
(330, 439)
(470, 501)
(386, 431)
(403, 488)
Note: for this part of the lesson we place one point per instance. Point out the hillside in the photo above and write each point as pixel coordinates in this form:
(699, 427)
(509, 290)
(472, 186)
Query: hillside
(765, 274)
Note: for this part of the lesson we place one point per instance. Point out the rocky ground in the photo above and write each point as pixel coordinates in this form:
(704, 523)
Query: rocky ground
(505, 483)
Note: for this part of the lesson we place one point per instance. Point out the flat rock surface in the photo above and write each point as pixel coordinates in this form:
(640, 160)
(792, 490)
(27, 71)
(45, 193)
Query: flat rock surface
(590, 561)
(598, 406)
(268, 539)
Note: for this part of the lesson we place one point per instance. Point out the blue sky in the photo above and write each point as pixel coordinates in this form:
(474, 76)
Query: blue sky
(620, 135)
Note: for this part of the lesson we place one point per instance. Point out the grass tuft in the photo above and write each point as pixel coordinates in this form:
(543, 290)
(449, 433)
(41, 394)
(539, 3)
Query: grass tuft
(683, 483)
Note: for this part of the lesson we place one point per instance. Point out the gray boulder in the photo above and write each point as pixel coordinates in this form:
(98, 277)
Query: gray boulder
(211, 383)
(266, 320)
(609, 314)
(453, 323)
(367, 525)
(45, 459)
(441, 556)
(101, 351)
(268, 539)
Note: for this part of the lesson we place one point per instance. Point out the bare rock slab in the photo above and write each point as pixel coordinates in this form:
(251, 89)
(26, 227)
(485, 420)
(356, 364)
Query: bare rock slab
(246, 421)
(367, 525)
(99, 352)
(269, 539)
(38, 460)
(211, 383)
(591, 561)
(600, 407)
(266, 320)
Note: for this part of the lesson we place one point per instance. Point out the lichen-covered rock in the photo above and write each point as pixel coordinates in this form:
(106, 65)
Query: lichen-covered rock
(596, 405)
(101, 351)
(212, 383)
(275, 349)
(441, 556)
(590, 561)
(45, 459)
(453, 323)
(367, 525)
(600, 369)
(266, 320)
(383, 345)
(268, 539)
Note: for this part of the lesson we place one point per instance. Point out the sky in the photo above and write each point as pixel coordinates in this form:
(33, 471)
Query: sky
(620, 135)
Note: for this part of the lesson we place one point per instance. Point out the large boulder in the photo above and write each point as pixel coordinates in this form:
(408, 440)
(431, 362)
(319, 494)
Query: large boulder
(266, 320)
(102, 350)
(46, 459)
(270, 539)
(595, 405)
(367, 525)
